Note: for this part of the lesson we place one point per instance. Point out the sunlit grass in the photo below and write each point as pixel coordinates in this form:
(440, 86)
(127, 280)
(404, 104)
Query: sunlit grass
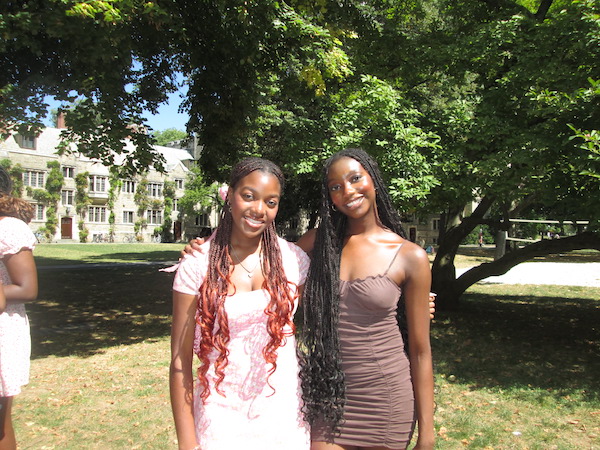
(516, 367)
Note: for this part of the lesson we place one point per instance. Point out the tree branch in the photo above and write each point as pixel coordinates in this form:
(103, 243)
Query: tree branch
(587, 240)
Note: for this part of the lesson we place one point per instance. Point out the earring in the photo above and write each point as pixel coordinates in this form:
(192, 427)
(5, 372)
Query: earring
(228, 206)
(333, 208)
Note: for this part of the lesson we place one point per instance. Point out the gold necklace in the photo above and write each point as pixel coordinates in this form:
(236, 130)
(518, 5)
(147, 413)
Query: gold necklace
(250, 272)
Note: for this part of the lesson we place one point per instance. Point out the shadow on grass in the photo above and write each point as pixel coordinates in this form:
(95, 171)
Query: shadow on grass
(160, 255)
(519, 340)
(82, 311)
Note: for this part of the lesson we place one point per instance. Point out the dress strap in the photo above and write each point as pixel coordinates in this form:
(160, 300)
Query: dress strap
(393, 259)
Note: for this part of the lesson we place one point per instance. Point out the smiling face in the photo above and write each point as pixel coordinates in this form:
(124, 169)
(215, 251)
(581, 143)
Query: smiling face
(351, 188)
(254, 204)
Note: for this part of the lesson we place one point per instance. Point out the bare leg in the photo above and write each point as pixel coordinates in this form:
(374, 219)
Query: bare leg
(7, 432)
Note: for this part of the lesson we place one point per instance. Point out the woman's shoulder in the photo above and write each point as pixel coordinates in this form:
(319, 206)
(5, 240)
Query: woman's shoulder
(15, 235)
(287, 246)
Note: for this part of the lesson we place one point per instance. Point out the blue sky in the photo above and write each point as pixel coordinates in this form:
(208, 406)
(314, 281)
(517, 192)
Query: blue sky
(167, 116)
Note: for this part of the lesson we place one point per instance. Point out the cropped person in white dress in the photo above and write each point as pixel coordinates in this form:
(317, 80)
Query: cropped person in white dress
(18, 277)
(233, 307)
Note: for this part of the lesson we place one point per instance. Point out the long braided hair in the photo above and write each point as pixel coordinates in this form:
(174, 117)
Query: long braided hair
(323, 388)
(212, 317)
(12, 206)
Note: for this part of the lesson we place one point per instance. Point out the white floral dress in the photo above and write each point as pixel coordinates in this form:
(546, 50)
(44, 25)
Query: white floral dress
(251, 415)
(15, 341)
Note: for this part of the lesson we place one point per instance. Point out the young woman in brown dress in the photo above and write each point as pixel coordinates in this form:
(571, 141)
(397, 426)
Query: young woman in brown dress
(362, 388)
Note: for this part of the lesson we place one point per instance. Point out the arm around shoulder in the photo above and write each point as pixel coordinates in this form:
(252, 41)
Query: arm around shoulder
(307, 241)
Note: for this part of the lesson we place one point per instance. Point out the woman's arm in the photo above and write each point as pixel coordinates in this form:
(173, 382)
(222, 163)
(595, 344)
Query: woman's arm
(416, 290)
(181, 381)
(23, 274)
(2, 299)
(307, 241)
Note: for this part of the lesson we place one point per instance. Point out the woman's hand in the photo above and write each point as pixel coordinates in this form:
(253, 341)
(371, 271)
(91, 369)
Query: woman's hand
(192, 246)
(432, 304)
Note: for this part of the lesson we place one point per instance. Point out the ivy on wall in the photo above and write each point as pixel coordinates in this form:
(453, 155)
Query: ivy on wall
(141, 199)
(115, 184)
(16, 174)
(50, 198)
(167, 226)
(82, 201)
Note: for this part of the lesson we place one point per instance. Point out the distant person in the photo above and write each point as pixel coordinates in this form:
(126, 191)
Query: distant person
(18, 275)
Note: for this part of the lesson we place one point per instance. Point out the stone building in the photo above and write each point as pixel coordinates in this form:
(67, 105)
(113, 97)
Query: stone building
(131, 223)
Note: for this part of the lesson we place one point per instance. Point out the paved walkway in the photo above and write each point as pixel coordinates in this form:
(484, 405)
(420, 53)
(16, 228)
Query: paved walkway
(558, 273)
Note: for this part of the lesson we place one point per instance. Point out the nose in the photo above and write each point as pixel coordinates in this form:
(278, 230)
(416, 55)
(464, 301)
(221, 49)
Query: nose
(348, 188)
(258, 207)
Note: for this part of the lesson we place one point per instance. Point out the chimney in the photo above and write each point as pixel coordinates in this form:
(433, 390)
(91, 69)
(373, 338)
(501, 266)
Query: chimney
(60, 119)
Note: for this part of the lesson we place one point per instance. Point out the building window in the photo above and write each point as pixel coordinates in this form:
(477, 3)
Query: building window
(154, 216)
(66, 197)
(97, 214)
(98, 183)
(175, 204)
(33, 178)
(203, 220)
(26, 141)
(128, 186)
(436, 224)
(127, 216)
(155, 189)
(38, 211)
(68, 172)
(178, 183)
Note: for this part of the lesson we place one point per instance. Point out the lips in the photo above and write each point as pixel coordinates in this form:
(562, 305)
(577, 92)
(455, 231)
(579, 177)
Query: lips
(355, 203)
(254, 223)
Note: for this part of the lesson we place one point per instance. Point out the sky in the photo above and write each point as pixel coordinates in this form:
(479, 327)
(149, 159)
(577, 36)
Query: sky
(166, 117)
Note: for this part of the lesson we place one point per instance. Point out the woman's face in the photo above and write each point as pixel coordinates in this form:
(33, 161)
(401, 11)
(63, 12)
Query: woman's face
(351, 188)
(254, 203)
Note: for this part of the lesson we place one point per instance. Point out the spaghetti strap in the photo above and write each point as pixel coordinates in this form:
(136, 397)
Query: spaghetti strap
(393, 259)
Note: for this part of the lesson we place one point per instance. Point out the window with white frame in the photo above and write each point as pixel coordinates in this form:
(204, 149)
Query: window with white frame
(26, 141)
(178, 183)
(154, 216)
(155, 189)
(98, 183)
(127, 216)
(66, 197)
(128, 186)
(33, 178)
(68, 172)
(436, 224)
(38, 212)
(175, 204)
(97, 214)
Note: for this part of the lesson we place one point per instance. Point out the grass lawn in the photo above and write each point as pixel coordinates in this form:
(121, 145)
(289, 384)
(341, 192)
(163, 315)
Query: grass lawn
(516, 368)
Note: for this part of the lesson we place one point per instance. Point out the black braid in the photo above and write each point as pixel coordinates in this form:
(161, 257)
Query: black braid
(321, 373)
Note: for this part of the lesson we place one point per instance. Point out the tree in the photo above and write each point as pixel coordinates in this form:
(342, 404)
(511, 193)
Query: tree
(119, 58)
(503, 100)
(169, 135)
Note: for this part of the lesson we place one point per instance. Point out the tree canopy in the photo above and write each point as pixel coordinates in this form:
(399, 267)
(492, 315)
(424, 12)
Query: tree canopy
(492, 102)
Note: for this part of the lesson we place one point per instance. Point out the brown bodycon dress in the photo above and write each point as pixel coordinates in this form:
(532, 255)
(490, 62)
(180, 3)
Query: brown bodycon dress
(379, 407)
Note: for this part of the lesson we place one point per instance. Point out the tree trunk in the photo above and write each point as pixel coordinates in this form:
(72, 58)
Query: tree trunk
(449, 291)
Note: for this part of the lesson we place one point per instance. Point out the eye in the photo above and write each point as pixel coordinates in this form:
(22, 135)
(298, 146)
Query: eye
(272, 203)
(247, 196)
(334, 187)
(355, 178)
